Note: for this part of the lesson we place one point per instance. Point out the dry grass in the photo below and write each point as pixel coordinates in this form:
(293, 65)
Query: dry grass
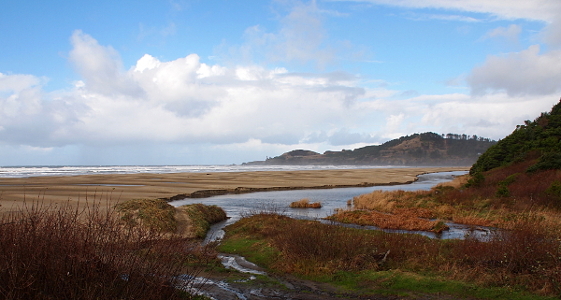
(155, 214)
(528, 256)
(189, 221)
(524, 197)
(305, 203)
(88, 253)
(405, 221)
(198, 218)
(388, 201)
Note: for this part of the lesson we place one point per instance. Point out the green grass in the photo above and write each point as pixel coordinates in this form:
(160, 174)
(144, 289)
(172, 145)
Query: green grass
(414, 267)
(407, 284)
(256, 251)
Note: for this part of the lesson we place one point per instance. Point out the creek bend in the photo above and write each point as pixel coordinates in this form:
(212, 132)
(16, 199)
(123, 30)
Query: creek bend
(237, 205)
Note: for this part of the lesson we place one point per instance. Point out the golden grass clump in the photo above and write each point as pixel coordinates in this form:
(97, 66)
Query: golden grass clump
(388, 201)
(189, 221)
(155, 214)
(457, 182)
(305, 203)
(195, 219)
(406, 220)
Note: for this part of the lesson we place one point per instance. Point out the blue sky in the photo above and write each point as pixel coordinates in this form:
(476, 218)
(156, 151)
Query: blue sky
(222, 82)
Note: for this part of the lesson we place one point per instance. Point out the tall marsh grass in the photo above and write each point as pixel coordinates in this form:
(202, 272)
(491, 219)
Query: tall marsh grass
(305, 203)
(89, 253)
(527, 257)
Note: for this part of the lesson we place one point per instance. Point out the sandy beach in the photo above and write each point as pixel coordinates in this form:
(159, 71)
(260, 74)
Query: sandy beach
(111, 189)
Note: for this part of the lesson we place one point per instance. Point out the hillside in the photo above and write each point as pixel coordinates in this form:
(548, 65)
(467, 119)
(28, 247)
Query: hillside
(414, 150)
(524, 167)
(536, 142)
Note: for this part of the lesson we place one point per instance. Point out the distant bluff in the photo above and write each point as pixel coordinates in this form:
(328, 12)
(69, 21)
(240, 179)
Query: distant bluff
(424, 149)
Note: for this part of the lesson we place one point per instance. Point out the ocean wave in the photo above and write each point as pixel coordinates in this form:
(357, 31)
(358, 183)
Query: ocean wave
(33, 171)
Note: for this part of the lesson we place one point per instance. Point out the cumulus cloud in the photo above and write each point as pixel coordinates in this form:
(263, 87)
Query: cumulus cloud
(485, 115)
(100, 66)
(552, 33)
(180, 101)
(191, 103)
(528, 72)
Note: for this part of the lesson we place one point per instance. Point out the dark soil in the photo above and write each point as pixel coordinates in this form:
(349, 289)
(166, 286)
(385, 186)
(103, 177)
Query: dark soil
(290, 287)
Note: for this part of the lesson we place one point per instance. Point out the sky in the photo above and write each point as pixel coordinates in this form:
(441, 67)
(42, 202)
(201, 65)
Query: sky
(193, 82)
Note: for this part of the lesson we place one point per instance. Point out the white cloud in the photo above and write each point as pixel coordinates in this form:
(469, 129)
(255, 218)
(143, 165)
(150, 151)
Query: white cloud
(180, 101)
(189, 103)
(521, 73)
(541, 10)
(548, 11)
(552, 33)
(17, 83)
(492, 116)
(510, 33)
(442, 17)
(99, 66)
(301, 39)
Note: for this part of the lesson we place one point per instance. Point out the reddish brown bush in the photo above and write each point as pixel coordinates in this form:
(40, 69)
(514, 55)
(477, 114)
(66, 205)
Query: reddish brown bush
(66, 253)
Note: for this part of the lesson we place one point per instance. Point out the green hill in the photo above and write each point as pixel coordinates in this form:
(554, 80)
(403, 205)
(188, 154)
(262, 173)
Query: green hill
(424, 149)
(536, 141)
(523, 170)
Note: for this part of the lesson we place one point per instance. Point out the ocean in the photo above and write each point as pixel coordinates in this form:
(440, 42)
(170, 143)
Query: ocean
(32, 171)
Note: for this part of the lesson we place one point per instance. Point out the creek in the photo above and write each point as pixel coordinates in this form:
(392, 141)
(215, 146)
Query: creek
(238, 205)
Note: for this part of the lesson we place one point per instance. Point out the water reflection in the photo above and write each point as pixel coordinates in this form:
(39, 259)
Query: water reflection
(236, 205)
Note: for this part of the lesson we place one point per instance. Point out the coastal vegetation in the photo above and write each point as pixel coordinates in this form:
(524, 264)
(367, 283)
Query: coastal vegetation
(521, 264)
(305, 203)
(190, 221)
(515, 187)
(148, 249)
(420, 149)
(70, 252)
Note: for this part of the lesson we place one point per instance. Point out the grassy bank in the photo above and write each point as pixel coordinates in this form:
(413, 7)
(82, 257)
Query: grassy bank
(523, 264)
(190, 221)
(89, 253)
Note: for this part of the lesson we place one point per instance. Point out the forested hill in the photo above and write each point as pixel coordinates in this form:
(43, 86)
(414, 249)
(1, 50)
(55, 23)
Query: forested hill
(425, 149)
(537, 143)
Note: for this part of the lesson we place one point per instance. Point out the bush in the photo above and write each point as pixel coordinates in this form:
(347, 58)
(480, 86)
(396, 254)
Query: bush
(476, 180)
(66, 253)
(548, 161)
(305, 203)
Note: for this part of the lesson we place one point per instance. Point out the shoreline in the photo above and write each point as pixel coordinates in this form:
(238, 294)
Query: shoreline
(110, 189)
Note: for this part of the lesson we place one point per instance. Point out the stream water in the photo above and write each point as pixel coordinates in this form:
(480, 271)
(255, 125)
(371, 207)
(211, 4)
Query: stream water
(236, 205)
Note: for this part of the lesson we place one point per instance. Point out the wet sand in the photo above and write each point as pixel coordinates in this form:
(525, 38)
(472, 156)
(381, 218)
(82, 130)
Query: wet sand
(111, 189)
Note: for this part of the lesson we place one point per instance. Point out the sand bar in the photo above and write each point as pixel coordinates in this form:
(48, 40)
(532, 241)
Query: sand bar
(109, 189)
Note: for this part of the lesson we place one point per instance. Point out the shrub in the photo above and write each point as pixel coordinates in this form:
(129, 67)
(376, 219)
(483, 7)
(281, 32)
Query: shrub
(305, 203)
(476, 180)
(67, 253)
(548, 161)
